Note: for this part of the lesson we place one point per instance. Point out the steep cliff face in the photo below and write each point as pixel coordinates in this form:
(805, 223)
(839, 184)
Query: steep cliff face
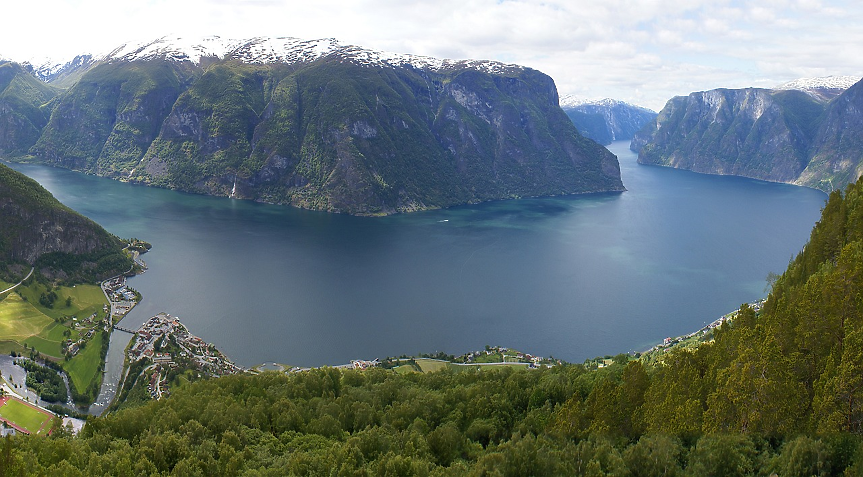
(107, 120)
(776, 135)
(755, 133)
(35, 225)
(837, 150)
(323, 126)
(607, 120)
(24, 109)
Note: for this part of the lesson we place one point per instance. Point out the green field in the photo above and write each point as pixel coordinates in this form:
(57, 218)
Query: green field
(83, 368)
(429, 365)
(44, 346)
(27, 417)
(405, 369)
(86, 300)
(24, 321)
(20, 320)
(48, 342)
(7, 346)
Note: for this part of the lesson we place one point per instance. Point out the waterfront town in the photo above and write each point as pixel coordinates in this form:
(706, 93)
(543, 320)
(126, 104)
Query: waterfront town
(168, 344)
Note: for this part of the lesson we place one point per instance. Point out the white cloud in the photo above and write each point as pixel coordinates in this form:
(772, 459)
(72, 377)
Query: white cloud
(643, 51)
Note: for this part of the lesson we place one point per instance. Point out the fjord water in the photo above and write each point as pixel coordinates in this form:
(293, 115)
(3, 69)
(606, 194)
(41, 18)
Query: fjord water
(573, 277)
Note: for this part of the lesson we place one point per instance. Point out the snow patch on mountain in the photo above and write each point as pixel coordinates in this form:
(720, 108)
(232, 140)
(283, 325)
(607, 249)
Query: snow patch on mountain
(173, 48)
(47, 69)
(824, 82)
(286, 50)
(571, 101)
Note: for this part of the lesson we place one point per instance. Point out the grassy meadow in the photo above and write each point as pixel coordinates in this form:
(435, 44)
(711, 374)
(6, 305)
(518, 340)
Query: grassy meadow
(26, 323)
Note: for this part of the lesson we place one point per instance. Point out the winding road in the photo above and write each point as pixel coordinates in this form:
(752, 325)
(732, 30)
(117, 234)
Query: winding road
(19, 283)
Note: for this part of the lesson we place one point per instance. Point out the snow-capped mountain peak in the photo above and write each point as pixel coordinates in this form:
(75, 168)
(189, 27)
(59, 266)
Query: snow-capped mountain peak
(571, 101)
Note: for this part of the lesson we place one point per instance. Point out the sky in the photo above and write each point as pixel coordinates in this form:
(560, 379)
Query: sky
(640, 51)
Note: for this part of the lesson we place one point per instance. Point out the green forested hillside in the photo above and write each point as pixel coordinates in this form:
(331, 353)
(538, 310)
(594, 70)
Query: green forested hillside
(25, 106)
(37, 230)
(778, 391)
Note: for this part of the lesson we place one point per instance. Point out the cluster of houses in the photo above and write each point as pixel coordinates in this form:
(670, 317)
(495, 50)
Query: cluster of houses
(71, 347)
(516, 356)
(154, 386)
(164, 328)
(121, 297)
(364, 364)
(757, 305)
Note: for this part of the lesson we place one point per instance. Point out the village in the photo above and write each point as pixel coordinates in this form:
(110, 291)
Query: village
(121, 298)
(505, 355)
(168, 344)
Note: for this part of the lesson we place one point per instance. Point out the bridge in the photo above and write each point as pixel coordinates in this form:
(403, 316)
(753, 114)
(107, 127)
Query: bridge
(120, 328)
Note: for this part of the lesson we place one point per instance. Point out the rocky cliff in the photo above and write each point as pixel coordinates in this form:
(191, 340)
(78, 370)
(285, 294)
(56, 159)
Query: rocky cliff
(836, 155)
(322, 126)
(776, 135)
(39, 230)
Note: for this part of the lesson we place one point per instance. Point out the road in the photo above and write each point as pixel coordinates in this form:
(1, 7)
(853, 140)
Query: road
(19, 283)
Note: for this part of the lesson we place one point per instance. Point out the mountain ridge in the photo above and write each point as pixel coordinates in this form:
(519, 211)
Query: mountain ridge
(319, 125)
(781, 135)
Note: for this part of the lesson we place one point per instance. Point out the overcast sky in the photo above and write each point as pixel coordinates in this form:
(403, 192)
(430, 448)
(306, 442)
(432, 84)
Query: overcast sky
(640, 51)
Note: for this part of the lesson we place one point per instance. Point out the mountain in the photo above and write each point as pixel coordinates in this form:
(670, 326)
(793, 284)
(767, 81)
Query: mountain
(788, 135)
(320, 125)
(38, 230)
(837, 150)
(61, 74)
(606, 120)
(25, 107)
(824, 88)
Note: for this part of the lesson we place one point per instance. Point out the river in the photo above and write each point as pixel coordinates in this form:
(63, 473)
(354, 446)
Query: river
(574, 277)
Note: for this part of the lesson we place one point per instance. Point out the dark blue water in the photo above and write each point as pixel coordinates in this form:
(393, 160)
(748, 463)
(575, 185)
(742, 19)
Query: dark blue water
(573, 277)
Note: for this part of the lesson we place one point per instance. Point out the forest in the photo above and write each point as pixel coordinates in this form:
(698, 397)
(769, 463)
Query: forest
(777, 391)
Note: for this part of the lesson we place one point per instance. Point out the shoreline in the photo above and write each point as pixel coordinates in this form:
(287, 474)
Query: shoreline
(670, 342)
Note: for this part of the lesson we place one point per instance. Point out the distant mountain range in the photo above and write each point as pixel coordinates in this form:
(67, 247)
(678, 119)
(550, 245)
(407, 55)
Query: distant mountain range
(807, 132)
(313, 124)
(606, 120)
